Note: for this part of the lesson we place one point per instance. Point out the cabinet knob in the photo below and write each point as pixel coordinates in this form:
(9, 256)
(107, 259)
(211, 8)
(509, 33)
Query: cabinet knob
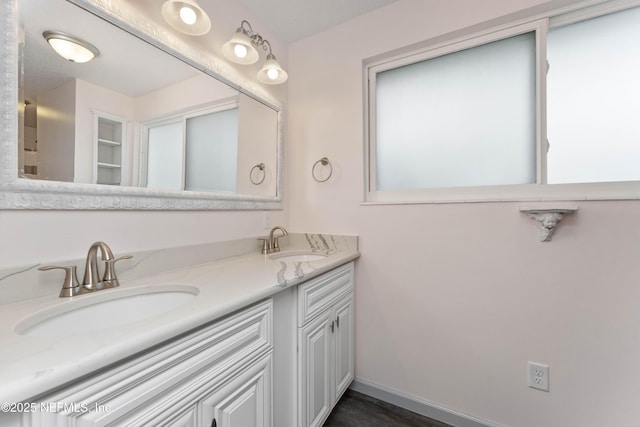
(214, 423)
(332, 326)
(338, 321)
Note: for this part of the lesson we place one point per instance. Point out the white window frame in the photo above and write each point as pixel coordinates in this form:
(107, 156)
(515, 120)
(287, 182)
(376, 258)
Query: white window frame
(540, 191)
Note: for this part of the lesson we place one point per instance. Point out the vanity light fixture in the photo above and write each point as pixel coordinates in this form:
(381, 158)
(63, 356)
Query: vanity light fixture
(186, 16)
(71, 47)
(241, 49)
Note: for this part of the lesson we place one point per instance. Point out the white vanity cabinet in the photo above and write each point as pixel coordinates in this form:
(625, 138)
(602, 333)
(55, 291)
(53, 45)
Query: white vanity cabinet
(325, 343)
(282, 361)
(218, 375)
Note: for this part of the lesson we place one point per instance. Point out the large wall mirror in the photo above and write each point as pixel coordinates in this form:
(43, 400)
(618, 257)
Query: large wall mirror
(148, 124)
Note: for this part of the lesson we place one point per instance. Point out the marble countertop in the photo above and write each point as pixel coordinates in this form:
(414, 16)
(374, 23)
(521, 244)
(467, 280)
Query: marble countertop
(30, 365)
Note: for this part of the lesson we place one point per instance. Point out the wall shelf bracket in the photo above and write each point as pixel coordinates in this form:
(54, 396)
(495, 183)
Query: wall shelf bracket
(548, 218)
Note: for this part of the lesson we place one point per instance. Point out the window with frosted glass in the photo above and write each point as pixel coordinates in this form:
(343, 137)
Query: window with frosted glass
(212, 151)
(593, 100)
(463, 119)
(164, 157)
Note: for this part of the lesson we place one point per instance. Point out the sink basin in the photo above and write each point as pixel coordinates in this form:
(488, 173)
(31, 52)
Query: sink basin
(297, 256)
(106, 310)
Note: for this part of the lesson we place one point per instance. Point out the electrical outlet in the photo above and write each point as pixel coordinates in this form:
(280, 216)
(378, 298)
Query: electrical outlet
(538, 375)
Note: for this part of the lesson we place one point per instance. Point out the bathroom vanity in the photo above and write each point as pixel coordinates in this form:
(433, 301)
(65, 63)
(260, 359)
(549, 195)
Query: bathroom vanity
(255, 340)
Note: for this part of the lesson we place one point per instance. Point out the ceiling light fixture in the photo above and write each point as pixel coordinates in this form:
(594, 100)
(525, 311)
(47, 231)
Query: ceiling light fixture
(241, 49)
(186, 16)
(71, 47)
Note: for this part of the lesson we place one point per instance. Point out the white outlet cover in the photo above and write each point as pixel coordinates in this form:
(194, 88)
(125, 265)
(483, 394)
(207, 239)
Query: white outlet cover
(538, 376)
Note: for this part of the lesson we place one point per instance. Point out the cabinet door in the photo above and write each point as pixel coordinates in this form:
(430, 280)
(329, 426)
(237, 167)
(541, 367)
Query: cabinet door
(314, 371)
(245, 401)
(344, 345)
(187, 419)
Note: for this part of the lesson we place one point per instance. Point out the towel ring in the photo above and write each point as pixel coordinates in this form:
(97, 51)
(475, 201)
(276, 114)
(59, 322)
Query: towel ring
(324, 162)
(261, 167)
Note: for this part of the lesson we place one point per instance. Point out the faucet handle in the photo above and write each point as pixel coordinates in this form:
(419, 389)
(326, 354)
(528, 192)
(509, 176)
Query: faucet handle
(265, 245)
(110, 279)
(70, 286)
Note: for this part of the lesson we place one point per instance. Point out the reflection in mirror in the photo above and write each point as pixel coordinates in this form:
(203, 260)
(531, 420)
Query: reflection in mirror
(134, 115)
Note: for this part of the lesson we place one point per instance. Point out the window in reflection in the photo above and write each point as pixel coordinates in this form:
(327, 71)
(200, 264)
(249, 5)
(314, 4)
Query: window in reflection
(195, 151)
(212, 151)
(165, 156)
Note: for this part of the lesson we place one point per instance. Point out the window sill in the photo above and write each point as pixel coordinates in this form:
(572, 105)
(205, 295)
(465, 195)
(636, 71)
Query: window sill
(509, 193)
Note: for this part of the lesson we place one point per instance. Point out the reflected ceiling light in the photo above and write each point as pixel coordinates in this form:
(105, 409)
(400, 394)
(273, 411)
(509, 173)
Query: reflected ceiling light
(71, 47)
(241, 49)
(186, 16)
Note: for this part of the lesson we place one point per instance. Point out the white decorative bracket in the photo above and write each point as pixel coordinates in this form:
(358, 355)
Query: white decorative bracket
(548, 219)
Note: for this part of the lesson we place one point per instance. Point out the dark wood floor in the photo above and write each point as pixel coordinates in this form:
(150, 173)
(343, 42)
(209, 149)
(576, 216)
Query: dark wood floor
(359, 410)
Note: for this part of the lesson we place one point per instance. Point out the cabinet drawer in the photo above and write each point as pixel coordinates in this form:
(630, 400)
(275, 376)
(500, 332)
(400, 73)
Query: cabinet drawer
(160, 387)
(320, 293)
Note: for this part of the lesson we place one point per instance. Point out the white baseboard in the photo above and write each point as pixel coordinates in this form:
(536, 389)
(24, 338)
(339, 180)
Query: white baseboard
(417, 405)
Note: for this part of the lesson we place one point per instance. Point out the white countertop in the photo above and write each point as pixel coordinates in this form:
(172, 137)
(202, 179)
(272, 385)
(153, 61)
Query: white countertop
(30, 366)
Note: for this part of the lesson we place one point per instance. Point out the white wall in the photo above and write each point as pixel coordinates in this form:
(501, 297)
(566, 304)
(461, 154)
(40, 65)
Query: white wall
(183, 96)
(257, 143)
(452, 300)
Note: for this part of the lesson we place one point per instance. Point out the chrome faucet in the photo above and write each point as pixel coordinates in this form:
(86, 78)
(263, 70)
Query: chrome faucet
(92, 281)
(270, 244)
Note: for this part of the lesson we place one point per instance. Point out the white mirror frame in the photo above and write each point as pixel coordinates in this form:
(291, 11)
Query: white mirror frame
(19, 193)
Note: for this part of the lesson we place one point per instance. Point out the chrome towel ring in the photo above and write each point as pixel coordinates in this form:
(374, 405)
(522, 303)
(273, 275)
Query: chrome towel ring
(324, 162)
(261, 167)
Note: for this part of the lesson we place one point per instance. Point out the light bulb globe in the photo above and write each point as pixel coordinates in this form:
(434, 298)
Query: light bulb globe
(240, 43)
(240, 50)
(70, 47)
(271, 72)
(188, 15)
